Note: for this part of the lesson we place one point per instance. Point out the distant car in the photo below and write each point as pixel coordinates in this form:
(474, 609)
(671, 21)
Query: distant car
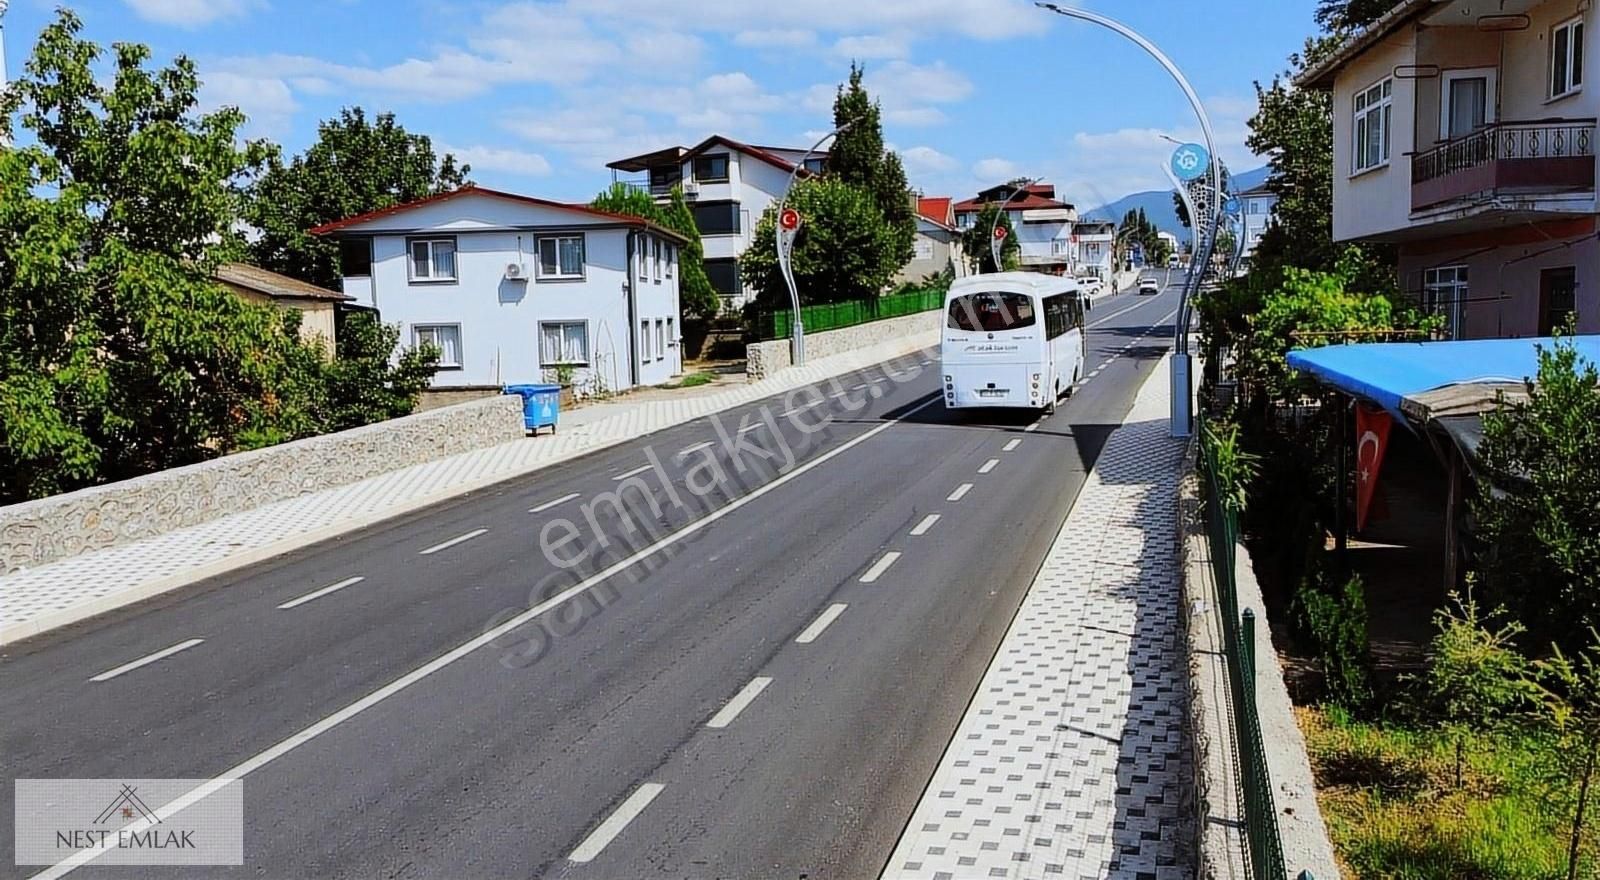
(1149, 286)
(1172, 262)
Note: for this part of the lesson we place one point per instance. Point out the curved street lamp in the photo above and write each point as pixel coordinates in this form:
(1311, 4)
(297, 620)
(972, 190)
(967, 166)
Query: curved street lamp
(784, 240)
(1182, 393)
(1020, 185)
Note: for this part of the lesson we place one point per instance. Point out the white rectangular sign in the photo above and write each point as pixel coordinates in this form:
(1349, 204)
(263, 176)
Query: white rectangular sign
(129, 821)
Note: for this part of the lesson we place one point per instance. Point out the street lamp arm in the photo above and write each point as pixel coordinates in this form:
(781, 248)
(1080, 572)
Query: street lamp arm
(798, 351)
(995, 249)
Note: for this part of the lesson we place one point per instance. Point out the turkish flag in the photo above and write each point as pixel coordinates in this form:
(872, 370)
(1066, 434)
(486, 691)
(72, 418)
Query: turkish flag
(1372, 438)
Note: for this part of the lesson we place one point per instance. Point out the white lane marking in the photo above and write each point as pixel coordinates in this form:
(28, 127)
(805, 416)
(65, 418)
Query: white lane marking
(811, 632)
(1032, 427)
(146, 660)
(1136, 305)
(1103, 364)
(549, 504)
(689, 450)
(989, 465)
(861, 386)
(1094, 374)
(740, 700)
(318, 594)
(458, 539)
(596, 842)
(272, 753)
(755, 427)
(926, 363)
(838, 394)
(633, 473)
(922, 528)
(879, 567)
(1012, 444)
(960, 492)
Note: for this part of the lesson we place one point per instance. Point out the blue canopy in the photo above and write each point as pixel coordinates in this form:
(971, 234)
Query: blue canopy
(1385, 372)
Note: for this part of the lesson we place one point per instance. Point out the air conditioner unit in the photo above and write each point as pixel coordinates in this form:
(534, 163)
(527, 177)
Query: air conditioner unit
(691, 188)
(516, 272)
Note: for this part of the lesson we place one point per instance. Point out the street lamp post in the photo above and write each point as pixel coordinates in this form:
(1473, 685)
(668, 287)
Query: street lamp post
(1020, 185)
(784, 232)
(1182, 397)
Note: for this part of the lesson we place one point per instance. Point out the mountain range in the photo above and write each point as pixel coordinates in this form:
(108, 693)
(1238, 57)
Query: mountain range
(1157, 204)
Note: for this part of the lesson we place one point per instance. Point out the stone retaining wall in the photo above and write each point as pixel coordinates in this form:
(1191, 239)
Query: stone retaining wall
(763, 359)
(37, 532)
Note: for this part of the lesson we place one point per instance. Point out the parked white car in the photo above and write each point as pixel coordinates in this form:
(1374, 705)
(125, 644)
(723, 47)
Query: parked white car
(1089, 288)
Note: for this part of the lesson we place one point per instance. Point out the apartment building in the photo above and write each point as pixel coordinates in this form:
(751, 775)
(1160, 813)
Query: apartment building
(1043, 225)
(728, 185)
(1255, 214)
(1464, 136)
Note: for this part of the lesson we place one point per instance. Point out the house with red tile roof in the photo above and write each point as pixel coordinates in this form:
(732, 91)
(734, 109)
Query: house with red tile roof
(937, 245)
(1043, 224)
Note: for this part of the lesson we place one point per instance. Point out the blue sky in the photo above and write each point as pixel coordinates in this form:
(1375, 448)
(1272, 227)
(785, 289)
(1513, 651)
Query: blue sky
(539, 94)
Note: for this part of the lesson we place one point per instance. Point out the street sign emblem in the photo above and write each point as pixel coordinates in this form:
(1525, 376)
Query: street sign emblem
(999, 233)
(1231, 205)
(1190, 161)
(789, 219)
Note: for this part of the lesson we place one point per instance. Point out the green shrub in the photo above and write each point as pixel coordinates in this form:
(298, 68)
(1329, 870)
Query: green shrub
(1337, 622)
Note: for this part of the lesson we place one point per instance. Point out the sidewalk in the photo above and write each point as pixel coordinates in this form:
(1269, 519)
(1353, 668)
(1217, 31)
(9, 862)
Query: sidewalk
(36, 600)
(1071, 760)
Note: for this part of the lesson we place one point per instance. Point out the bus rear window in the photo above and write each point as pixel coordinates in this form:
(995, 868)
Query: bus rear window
(991, 312)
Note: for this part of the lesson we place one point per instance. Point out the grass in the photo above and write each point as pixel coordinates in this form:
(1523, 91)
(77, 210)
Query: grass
(1389, 795)
(693, 380)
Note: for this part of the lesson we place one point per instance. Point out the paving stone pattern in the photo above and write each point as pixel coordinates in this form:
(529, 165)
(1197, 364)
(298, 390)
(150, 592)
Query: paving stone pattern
(1070, 761)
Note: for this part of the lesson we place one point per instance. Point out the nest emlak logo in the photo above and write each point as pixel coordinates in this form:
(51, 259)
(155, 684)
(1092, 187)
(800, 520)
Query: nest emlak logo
(130, 821)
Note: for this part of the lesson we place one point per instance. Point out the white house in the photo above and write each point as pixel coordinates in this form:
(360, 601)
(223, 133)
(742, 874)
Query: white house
(729, 185)
(1095, 243)
(513, 289)
(1255, 206)
(1043, 225)
(1464, 135)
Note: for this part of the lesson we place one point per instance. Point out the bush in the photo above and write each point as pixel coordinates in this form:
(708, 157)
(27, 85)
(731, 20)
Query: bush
(1337, 622)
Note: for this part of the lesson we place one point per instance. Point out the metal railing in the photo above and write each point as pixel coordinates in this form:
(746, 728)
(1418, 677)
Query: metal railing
(1264, 846)
(1542, 139)
(777, 324)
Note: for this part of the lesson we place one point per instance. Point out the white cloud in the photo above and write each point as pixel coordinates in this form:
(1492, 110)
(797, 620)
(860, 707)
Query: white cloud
(872, 46)
(916, 116)
(189, 13)
(927, 160)
(996, 170)
(266, 101)
(503, 160)
(781, 38)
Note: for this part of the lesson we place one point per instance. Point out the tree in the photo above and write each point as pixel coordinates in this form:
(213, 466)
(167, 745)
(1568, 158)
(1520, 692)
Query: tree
(858, 158)
(698, 298)
(843, 251)
(695, 292)
(1343, 16)
(355, 166)
(975, 241)
(363, 385)
(1539, 507)
(118, 354)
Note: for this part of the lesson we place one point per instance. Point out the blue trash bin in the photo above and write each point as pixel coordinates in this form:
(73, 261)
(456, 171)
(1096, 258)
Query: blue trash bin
(541, 405)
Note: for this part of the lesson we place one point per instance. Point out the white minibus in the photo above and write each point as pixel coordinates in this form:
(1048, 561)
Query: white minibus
(1011, 339)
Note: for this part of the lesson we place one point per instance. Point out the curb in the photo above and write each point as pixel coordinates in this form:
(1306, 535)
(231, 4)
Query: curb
(785, 380)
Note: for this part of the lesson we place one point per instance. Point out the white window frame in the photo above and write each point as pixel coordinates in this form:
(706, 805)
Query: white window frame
(1450, 283)
(1490, 88)
(644, 257)
(655, 258)
(418, 331)
(661, 339)
(1365, 109)
(1573, 85)
(556, 240)
(644, 341)
(430, 241)
(588, 352)
(672, 256)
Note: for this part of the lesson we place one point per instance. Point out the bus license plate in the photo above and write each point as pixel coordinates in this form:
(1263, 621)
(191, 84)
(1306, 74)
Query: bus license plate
(993, 392)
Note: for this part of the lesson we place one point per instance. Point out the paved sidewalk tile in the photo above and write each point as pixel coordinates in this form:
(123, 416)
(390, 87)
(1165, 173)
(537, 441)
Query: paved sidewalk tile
(34, 600)
(1070, 761)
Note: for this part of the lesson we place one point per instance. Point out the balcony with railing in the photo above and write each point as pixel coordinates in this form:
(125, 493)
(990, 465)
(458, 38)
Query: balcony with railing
(1534, 158)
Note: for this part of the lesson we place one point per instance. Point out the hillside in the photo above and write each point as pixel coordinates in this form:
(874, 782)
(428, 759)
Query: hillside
(1157, 204)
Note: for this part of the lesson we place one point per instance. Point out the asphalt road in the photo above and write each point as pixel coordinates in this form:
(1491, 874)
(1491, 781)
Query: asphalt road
(753, 682)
